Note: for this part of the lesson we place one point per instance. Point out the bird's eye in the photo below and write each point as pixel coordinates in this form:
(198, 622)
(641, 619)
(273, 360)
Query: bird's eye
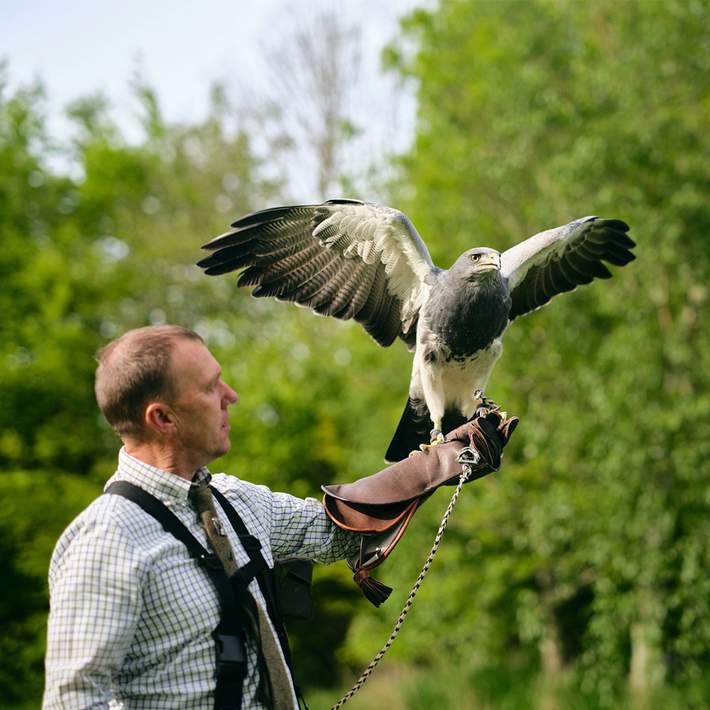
(475, 257)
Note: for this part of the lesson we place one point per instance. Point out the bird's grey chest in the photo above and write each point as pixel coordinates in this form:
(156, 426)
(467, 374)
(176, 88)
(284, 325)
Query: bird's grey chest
(466, 317)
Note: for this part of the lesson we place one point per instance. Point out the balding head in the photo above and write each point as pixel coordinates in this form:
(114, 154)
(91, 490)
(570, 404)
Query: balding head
(135, 370)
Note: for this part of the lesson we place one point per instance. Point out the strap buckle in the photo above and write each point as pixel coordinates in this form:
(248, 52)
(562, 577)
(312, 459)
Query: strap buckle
(243, 576)
(250, 543)
(231, 653)
(211, 561)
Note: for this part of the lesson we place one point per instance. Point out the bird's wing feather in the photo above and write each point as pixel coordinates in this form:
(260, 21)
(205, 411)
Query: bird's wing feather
(344, 258)
(563, 258)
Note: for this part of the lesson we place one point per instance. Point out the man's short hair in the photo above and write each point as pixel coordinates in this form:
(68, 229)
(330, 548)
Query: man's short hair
(135, 370)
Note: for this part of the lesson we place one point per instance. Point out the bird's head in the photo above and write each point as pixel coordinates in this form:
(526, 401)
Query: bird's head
(476, 262)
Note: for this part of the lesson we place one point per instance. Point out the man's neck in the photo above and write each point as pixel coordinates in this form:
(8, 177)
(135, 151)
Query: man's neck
(162, 457)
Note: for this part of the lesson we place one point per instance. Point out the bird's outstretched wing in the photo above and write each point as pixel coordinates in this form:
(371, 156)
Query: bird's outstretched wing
(344, 258)
(561, 259)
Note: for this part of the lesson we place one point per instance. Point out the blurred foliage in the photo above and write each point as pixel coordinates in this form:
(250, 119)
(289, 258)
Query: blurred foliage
(577, 574)
(35, 507)
(590, 551)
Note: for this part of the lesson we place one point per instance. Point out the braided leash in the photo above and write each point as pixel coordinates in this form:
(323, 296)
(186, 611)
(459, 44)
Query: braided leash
(468, 457)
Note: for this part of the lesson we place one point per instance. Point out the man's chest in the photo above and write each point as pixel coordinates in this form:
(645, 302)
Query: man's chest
(179, 601)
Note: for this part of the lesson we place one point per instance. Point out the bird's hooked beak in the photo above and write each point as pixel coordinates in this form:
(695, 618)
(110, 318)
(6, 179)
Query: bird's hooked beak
(488, 262)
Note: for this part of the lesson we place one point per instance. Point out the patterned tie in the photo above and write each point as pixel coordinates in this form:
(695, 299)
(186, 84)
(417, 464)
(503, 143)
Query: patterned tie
(201, 497)
(267, 644)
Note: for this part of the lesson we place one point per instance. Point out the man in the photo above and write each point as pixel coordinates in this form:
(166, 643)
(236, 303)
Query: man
(133, 614)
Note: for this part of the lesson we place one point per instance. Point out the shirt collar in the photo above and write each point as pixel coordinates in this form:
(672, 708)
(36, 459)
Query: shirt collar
(162, 484)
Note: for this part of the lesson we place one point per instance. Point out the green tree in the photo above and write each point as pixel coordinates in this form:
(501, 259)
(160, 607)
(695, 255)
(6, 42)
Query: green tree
(101, 234)
(98, 235)
(589, 551)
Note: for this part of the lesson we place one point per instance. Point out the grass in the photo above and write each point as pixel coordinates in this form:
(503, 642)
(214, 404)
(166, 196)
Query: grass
(396, 687)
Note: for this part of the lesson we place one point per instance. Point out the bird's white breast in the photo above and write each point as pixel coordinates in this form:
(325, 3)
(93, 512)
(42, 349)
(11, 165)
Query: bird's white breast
(458, 379)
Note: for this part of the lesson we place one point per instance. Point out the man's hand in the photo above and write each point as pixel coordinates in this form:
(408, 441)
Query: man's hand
(380, 506)
(488, 435)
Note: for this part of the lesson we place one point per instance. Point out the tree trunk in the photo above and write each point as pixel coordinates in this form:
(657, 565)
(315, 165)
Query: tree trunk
(646, 670)
(551, 663)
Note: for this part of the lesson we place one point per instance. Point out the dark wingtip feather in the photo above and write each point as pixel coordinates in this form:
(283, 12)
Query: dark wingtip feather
(615, 224)
(344, 201)
(599, 270)
(604, 240)
(235, 256)
(227, 239)
(220, 269)
(618, 257)
(622, 239)
(273, 213)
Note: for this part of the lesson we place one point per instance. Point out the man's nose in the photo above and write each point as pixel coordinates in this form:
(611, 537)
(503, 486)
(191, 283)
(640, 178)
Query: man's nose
(230, 395)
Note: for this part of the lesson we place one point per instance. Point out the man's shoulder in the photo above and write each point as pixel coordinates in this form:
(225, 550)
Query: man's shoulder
(109, 509)
(108, 527)
(234, 486)
(252, 501)
(106, 515)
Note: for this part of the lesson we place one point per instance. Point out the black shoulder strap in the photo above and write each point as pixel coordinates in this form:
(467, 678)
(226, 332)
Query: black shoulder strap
(229, 635)
(162, 514)
(260, 569)
(231, 612)
(257, 565)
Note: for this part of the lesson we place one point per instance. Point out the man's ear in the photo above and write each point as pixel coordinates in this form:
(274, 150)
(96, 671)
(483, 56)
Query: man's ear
(159, 417)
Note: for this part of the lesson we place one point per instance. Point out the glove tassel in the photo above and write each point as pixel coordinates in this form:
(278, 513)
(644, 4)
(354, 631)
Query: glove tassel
(375, 592)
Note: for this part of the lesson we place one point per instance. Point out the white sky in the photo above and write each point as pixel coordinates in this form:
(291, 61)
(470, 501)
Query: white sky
(77, 47)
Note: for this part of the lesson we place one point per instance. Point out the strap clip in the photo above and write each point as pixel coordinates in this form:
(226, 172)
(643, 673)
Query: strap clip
(468, 458)
(469, 455)
(230, 651)
(250, 543)
(211, 561)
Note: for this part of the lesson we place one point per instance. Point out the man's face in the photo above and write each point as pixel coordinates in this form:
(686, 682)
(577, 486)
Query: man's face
(200, 404)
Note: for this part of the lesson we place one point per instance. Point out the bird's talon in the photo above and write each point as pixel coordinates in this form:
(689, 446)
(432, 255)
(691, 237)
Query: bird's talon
(486, 405)
(436, 438)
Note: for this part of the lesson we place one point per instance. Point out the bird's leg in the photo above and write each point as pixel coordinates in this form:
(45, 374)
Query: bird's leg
(435, 435)
(485, 405)
(436, 438)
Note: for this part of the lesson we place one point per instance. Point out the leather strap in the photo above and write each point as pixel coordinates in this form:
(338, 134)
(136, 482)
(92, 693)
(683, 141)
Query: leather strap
(259, 569)
(282, 678)
(380, 506)
(229, 634)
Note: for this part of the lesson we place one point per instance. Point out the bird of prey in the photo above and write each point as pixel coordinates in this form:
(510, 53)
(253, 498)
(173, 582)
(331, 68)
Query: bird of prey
(352, 259)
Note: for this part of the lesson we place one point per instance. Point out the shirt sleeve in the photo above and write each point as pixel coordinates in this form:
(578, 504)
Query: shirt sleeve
(95, 601)
(301, 528)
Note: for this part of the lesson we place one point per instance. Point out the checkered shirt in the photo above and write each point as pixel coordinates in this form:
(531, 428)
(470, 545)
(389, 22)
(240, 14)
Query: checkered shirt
(132, 613)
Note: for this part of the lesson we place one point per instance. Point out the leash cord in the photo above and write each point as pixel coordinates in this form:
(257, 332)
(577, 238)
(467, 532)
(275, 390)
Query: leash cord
(465, 474)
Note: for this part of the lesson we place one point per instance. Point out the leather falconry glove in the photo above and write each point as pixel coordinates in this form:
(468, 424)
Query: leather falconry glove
(487, 434)
(379, 507)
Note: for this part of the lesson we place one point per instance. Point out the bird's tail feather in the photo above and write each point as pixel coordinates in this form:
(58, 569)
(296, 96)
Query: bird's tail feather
(414, 428)
(452, 419)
